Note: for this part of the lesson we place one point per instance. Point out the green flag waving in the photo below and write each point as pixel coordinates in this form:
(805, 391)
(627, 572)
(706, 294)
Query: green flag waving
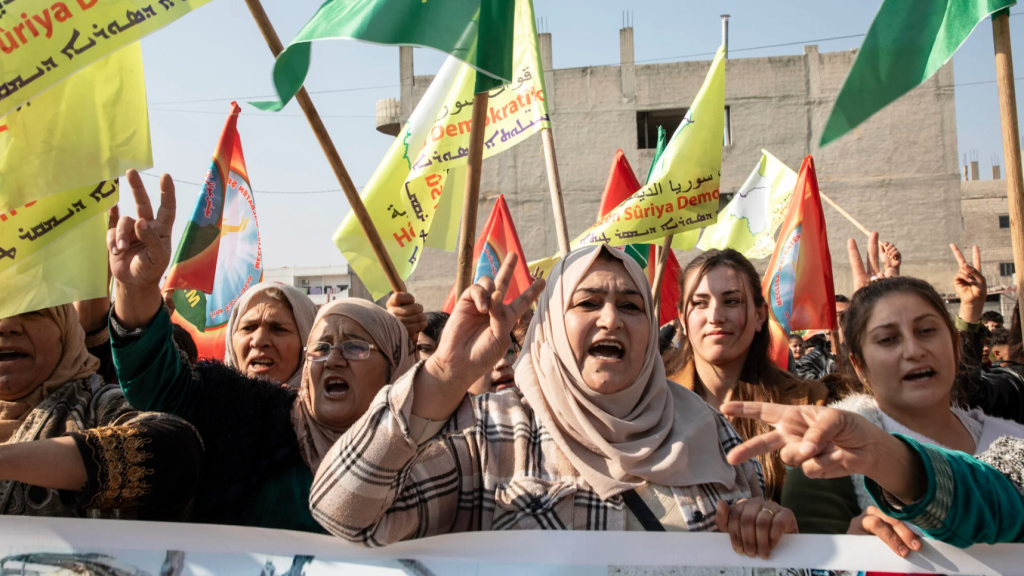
(907, 43)
(478, 32)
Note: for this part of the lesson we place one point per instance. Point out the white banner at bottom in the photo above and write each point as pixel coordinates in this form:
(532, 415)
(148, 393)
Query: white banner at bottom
(122, 548)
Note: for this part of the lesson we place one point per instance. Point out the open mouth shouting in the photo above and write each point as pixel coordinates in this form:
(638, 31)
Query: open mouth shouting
(261, 365)
(608, 349)
(334, 386)
(9, 356)
(920, 375)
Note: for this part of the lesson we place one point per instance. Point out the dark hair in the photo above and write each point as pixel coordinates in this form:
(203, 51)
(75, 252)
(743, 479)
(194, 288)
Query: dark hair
(435, 325)
(865, 300)
(992, 316)
(760, 380)
(817, 341)
(183, 340)
(842, 299)
(998, 337)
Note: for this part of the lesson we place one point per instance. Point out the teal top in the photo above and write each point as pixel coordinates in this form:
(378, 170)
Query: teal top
(253, 472)
(966, 502)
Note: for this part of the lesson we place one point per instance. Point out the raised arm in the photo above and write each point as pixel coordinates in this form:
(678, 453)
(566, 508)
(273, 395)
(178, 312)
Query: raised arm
(476, 336)
(384, 482)
(152, 373)
(140, 250)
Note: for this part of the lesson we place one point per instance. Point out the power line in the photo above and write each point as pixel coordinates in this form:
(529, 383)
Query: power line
(255, 191)
(731, 50)
(986, 81)
(257, 115)
(237, 98)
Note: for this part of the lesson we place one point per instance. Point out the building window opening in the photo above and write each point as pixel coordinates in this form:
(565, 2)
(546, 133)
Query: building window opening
(1004, 221)
(648, 121)
(1006, 269)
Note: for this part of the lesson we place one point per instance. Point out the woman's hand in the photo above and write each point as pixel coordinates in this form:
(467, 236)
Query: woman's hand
(474, 339)
(404, 306)
(863, 276)
(896, 535)
(755, 526)
(891, 259)
(830, 443)
(140, 250)
(970, 285)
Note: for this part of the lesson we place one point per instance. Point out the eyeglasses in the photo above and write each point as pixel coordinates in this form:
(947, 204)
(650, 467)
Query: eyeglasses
(350, 350)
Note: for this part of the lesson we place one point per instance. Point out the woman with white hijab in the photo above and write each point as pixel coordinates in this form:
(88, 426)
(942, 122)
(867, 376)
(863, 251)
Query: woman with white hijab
(598, 438)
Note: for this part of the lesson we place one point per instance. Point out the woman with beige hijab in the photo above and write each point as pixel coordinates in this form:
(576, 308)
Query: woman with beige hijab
(266, 332)
(597, 439)
(70, 445)
(263, 441)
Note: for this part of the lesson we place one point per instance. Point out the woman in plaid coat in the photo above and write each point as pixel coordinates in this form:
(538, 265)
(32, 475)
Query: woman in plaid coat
(595, 437)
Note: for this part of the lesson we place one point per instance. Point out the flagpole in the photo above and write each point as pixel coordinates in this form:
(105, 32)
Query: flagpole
(351, 194)
(1011, 140)
(555, 185)
(659, 272)
(471, 198)
(844, 213)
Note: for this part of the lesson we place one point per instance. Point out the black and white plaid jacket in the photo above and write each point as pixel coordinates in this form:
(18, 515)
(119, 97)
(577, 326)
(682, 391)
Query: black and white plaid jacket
(492, 466)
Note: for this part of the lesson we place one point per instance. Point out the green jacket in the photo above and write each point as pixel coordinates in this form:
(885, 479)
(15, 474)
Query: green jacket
(253, 472)
(967, 500)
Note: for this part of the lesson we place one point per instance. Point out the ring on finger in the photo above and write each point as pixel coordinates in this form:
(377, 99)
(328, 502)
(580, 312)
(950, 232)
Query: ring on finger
(772, 512)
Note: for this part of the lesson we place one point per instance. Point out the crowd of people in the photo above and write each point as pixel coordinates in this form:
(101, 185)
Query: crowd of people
(568, 408)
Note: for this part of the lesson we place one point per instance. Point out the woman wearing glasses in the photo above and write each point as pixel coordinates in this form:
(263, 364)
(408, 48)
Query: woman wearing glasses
(263, 441)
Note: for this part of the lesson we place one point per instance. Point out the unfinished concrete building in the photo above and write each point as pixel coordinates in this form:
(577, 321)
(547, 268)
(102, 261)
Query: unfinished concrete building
(897, 173)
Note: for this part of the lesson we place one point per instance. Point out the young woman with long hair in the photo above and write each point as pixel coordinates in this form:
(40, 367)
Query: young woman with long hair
(724, 347)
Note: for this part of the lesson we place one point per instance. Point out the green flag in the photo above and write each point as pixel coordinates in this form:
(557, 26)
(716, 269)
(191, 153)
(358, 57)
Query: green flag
(907, 43)
(451, 26)
(659, 149)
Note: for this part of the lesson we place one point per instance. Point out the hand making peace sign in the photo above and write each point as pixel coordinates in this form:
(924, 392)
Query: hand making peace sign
(140, 249)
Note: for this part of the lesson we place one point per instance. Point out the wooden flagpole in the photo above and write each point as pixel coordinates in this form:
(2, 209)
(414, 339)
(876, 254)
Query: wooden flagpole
(555, 185)
(844, 213)
(471, 198)
(351, 194)
(1011, 140)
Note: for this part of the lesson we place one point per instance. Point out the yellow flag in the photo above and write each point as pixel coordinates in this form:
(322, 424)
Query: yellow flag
(748, 223)
(682, 193)
(88, 129)
(43, 42)
(415, 196)
(53, 251)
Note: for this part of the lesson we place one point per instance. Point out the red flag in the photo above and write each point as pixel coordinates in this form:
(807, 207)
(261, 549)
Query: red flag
(622, 184)
(798, 283)
(496, 241)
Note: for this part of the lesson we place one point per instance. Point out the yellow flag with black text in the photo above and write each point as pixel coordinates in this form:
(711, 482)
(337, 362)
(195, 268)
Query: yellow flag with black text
(681, 195)
(415, 195)
(52, 41)
(90, 128)
(54, 251)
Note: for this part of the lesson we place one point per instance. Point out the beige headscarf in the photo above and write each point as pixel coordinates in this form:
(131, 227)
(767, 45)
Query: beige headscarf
(388, 334)
(75, 363)
(649, 432)
(303, 310)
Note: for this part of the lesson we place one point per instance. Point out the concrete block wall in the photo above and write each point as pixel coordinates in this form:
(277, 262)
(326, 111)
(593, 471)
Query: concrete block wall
(896, 173)
(983, 201)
